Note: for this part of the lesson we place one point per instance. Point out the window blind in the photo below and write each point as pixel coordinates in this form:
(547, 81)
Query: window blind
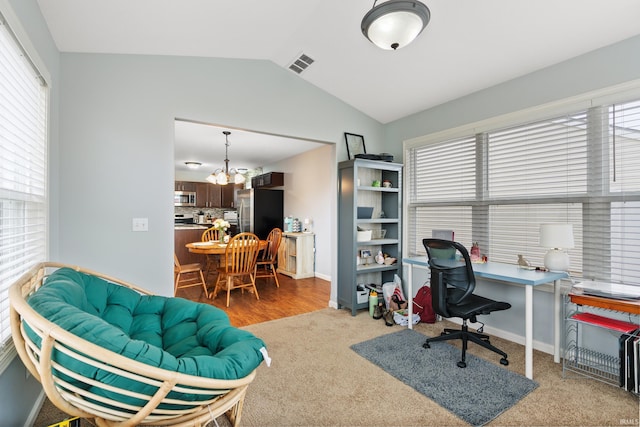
(498, 186)
(624, 181)
(23, 165)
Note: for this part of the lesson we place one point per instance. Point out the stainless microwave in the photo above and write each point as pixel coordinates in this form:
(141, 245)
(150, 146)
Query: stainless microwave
(184, 198)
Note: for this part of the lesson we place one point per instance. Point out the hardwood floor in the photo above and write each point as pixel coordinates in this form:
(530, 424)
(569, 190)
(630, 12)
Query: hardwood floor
(291, 298)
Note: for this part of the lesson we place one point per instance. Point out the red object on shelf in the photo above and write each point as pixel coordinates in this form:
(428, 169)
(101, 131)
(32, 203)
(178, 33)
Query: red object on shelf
(618, 325)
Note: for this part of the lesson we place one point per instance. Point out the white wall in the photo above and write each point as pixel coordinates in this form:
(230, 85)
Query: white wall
(310, 182)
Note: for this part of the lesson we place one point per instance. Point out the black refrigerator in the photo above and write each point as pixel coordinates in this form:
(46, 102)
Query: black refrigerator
(259, 210)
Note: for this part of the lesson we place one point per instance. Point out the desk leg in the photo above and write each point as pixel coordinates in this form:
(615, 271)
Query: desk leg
(410, 296)
(528, 332)
(557, 315)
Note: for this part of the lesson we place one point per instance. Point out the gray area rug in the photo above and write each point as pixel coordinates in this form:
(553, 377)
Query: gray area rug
(477, 394)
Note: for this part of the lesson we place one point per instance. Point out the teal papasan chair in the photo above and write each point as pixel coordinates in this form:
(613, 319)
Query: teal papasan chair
(112, 353)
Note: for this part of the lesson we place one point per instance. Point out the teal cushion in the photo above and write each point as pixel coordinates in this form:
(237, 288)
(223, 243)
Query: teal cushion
(170, 333)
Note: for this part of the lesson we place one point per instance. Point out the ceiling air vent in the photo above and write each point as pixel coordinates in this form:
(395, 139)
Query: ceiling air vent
(300, 63)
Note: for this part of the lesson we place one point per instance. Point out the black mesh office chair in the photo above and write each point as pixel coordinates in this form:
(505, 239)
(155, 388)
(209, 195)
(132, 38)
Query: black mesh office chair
(452, 285)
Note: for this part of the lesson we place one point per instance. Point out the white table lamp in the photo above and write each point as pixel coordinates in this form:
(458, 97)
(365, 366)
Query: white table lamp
(557, 237)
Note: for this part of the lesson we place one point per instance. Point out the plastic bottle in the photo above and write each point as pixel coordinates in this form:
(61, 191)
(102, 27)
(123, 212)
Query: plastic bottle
(373, 301)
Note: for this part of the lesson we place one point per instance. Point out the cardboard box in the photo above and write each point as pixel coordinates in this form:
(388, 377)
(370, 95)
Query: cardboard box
(363, 296)
(71, 422)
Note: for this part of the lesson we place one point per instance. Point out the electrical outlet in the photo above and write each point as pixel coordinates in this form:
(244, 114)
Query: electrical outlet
(140, 224)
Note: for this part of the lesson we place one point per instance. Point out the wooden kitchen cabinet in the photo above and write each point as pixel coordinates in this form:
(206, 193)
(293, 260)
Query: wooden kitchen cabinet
(266, 180)
(185, 186)
(228, 195)
(208, 195)
(296, 255)
(211, 195)
(184, 235)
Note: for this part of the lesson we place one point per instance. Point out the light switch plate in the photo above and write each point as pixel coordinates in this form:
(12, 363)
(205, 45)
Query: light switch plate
(140, 224)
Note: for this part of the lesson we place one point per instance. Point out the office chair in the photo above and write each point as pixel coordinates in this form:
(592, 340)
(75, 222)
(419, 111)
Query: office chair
(452, 286)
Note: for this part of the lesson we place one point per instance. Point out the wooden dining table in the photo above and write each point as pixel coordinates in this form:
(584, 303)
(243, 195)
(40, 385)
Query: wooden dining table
(215, 248)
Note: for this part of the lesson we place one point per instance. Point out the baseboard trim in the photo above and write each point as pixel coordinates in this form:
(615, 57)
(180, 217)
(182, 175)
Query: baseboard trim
(35, 411)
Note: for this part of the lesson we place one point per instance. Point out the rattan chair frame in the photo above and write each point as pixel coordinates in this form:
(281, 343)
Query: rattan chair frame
(106, 412)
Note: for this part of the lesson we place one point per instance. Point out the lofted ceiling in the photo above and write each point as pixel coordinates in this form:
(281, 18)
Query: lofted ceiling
(468, 45)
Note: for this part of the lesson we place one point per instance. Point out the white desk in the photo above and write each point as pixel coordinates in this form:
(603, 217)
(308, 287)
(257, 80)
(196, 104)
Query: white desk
(513, 274)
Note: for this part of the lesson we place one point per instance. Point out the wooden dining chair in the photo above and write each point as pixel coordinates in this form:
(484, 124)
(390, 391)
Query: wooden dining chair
(210, 234)
(238, 270)
(213, 261)
(188, 275)
(266, 264)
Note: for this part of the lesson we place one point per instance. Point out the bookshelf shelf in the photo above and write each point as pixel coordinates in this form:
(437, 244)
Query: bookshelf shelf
(354, 177)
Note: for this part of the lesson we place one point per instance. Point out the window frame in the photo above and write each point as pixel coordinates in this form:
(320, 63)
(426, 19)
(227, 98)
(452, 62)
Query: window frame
(617, 94)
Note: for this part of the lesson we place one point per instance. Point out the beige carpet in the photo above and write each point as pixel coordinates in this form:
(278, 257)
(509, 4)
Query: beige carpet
(317, 380)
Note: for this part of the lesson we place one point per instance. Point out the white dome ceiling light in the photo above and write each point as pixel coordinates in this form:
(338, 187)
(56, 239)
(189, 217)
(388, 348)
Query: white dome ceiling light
(395, 23)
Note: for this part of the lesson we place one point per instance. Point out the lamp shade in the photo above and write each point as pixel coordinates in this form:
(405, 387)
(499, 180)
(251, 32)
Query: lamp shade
(395, 23)
(556, 236)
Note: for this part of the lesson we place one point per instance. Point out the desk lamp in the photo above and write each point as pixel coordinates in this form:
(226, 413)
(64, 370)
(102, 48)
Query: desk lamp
(557, 237)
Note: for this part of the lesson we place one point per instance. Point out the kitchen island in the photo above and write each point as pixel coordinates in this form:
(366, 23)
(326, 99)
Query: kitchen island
(187, 233)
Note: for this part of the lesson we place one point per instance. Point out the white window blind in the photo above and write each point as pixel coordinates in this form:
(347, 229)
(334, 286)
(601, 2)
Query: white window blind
(543, 159)
(23, 219)
(497, 187)
(624, 182)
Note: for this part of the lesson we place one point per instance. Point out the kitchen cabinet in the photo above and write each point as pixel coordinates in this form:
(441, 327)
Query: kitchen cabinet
(296, 255)
(208, 195)
(214, 195)
(228, 195)
(360, 185)
(270, 179)
(184, 234)
(185, 186)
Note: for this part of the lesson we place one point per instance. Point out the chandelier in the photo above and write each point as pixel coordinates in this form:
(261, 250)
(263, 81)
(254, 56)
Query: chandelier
(226, 175)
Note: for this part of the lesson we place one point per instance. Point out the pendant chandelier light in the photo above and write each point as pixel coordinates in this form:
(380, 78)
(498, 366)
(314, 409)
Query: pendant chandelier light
(226, 175)
(395, 23)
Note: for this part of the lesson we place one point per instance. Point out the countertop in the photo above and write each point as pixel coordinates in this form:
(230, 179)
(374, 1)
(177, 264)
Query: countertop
(191, 226)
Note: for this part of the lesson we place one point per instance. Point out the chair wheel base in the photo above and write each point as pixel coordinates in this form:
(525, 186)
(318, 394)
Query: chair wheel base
(461, 364)
(504, 361)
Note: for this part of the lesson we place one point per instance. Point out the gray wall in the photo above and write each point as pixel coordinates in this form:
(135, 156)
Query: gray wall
(116, 136)
(599, 69)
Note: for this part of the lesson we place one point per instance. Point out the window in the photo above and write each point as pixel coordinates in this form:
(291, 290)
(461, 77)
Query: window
(497, 186)
(23, 209)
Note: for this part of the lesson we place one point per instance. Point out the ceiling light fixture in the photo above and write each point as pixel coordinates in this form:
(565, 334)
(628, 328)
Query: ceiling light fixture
(193, 165)
(395, 23)
(226, 175)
